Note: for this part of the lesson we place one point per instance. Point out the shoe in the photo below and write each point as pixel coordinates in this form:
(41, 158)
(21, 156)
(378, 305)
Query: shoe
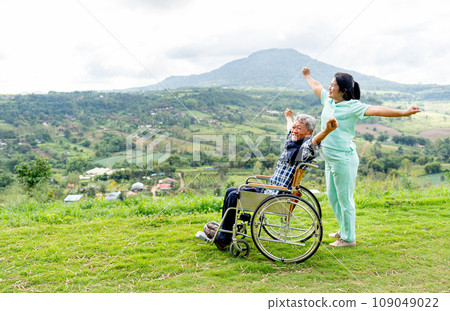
(202, 236)
(334, 235)
(210, 229)
(220, 245)
(341, 243)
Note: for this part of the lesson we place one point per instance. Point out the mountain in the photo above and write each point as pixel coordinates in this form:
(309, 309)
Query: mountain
(276, 68)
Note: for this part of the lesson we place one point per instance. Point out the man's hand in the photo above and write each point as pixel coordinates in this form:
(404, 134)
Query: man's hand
(288, 114)
(331, 125)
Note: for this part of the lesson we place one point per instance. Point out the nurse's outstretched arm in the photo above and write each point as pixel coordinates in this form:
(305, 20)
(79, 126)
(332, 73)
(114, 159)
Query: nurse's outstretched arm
(382, 111)
(314, 84)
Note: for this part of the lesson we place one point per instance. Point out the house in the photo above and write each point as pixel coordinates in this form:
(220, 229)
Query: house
(164, 186)
(113, 195)
(73, 198)
(96, 171)
(168, 180)
(137, 186)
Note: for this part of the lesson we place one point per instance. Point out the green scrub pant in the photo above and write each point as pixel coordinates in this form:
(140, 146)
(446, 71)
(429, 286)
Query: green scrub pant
(340, 172)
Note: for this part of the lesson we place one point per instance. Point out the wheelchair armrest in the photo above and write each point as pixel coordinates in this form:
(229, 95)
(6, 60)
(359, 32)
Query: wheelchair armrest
(270, 187)
(258, 178)
(300, 165)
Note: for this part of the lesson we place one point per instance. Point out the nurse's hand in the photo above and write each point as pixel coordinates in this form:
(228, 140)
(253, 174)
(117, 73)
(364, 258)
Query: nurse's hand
(411, 111)
(331, 125)
(306, 71)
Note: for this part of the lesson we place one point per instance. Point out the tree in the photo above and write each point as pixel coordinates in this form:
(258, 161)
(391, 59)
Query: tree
(90, 192)
(77, 164)
(34, 173)
(5, 179)
(175, 160)
(382, 137)
(369, 137)
(271, 160)
(257, 167)
(223, 171)
(73, 178)
(432, 168)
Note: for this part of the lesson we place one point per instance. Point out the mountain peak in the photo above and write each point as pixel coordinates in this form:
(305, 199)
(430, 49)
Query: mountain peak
(271, 68)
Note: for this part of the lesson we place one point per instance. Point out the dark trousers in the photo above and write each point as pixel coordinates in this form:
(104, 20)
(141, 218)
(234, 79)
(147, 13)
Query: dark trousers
(230, 200)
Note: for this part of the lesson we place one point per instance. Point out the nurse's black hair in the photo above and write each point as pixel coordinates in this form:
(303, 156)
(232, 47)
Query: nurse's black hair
(348, 86)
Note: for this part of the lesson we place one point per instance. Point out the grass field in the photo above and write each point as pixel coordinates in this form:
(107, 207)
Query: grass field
(141, 245)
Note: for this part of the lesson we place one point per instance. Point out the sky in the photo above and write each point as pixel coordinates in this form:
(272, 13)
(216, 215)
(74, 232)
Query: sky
(70, 45)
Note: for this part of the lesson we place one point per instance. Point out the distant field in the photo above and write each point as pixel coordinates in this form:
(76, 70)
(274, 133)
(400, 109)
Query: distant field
(109, 162)
(418, 123)
(434, 116)
(432, 179)
(6, 126)
(436, 133)
(376, 129)
(199, 114)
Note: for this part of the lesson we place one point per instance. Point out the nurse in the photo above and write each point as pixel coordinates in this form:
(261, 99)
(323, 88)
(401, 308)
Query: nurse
(339, 151)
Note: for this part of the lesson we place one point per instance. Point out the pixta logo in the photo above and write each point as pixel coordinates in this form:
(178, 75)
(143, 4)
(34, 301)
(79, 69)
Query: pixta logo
(146, 143)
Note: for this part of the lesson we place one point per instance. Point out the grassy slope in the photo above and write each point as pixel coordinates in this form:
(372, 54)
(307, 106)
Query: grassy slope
(132, 247)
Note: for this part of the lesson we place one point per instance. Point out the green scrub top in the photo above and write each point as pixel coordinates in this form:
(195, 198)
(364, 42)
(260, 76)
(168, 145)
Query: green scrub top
(347, 114)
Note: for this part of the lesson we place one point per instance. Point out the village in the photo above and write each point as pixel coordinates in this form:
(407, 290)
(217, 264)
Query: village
(157, 189)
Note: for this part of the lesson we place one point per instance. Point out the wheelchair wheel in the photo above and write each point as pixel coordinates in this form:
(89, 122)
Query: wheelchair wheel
(286, 228)
(242, 247)
(274, 232)
(309, 197)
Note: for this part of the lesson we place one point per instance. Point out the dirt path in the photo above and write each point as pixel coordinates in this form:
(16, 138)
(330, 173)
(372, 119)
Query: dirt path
(154, 187)
(181, 182)
(364, 149)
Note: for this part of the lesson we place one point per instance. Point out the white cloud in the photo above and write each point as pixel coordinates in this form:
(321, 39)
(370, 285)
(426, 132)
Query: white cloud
(76, 45)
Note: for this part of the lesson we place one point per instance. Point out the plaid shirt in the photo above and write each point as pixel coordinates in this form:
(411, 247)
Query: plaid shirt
(284, 173)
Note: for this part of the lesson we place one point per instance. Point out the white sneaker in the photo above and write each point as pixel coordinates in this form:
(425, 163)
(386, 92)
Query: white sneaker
(341, 243)
(202, 236)
(334, 235)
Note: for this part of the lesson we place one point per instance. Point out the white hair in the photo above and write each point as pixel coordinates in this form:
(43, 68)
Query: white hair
(309, 121)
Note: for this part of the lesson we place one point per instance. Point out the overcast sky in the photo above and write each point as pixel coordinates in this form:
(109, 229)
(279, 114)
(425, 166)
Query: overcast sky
(68, 45)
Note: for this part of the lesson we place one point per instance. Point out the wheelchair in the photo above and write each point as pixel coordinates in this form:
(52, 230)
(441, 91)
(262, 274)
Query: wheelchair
(285, 227)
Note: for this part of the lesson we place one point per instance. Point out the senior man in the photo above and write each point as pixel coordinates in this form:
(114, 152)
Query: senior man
(300, 146)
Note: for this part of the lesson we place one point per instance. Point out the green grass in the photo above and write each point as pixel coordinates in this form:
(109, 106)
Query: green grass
(433, 179)
(144, 245)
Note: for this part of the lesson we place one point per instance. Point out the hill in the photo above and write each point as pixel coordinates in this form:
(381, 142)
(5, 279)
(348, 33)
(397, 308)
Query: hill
(279, 68)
